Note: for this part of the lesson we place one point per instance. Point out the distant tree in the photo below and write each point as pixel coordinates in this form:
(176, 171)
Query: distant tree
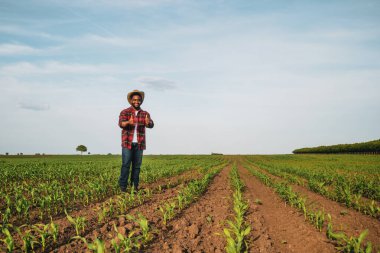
(7, 153)
(89, 153)
(81, 148)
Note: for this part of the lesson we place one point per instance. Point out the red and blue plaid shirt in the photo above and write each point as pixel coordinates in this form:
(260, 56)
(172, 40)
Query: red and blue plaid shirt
(128, 131)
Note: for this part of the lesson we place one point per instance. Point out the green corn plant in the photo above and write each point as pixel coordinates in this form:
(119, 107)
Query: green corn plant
(97, 246)
(43, 233)
(236, 242)
(131, 196)
(116, 247)
(237, 230)
(148, 193)
(356, 201)
(28, 239)
(317, 219)
(180, 199)
(126, 243)
(6, 215)
(79, 222)
(111, 209)
(354, 244)
(373, 209)
(102, 214)
(54, 230)
(330, 233)
(8, 241)
(144, 227)
(168, 211)
(121, 204)
(140, 197)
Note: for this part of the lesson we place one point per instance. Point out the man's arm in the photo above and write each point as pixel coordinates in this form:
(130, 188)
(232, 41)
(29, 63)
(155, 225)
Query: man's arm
(123, 120)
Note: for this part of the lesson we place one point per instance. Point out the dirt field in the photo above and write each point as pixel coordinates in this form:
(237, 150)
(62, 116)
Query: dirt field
(276, 227)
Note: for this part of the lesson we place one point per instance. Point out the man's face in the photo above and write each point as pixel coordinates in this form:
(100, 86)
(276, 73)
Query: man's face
(136, 101)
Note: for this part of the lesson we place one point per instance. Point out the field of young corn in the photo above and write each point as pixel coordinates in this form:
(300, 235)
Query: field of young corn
(73, 203)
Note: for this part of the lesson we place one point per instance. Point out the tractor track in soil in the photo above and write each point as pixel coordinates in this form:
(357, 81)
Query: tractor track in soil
(351, 223)
(277, 227)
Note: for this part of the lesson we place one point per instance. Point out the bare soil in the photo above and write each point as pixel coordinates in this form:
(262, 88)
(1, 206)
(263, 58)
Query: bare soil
(349, 221)
(276, 226)
(200, 227)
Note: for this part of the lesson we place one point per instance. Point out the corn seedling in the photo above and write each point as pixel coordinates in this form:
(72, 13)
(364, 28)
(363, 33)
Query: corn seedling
(8, 241)
(43, 233)
(28, 239)
(167, 212)
(144, 226)
(96, 246)
(126, 243)
(79, 222)
(53, 230)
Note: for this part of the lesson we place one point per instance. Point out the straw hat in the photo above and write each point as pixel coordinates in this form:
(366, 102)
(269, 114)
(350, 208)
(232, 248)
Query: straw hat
(135, 92)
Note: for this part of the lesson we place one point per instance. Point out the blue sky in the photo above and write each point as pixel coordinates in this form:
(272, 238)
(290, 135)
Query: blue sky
(236, 77)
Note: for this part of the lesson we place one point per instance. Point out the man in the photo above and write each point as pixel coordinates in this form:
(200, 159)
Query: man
(133, 122)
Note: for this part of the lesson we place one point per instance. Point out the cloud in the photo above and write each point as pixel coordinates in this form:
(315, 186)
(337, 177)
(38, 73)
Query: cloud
(117, 3)
(12, 49)
(34, 106)
(54, 67)
(110, 40)
(157, 83)
(30, 32)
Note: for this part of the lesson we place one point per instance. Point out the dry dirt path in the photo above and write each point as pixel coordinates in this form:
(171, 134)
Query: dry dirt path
(276, 226)
(200, 227)
(350, 221)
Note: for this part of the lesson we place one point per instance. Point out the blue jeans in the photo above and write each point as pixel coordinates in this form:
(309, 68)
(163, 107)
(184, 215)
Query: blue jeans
(130, 156)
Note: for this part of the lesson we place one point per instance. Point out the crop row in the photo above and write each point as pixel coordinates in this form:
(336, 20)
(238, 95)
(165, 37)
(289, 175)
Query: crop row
(316, 217)
(344, 173)
(238, 229)
(44, 233)
(187, 195)
(138, 239)
(74, 184)
(340, 191)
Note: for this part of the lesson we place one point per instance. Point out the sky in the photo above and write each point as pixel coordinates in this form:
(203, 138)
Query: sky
(232, 77)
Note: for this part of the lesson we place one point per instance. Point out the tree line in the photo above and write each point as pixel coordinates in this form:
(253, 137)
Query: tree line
(370, 147)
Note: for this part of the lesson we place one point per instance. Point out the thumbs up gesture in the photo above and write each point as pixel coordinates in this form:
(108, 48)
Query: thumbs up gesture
(131, 120)
(147, 120)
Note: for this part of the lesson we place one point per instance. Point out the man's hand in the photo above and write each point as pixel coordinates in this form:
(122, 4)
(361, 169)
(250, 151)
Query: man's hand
(147, 120)
(131, 120)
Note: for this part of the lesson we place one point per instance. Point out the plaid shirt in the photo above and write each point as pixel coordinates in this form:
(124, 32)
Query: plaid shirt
(128, 131)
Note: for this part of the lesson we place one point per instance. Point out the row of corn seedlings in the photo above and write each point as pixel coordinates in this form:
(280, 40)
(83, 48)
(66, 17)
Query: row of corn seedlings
(315, 217)
(187, 195)
(133, 241)
(36, 236)
(238, 229)
(360, 172)
(30, 237)
(137, 239)
(341, 191)
(48, 188)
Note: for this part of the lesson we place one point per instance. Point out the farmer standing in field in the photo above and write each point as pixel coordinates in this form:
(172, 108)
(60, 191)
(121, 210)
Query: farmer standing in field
(133, 122)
